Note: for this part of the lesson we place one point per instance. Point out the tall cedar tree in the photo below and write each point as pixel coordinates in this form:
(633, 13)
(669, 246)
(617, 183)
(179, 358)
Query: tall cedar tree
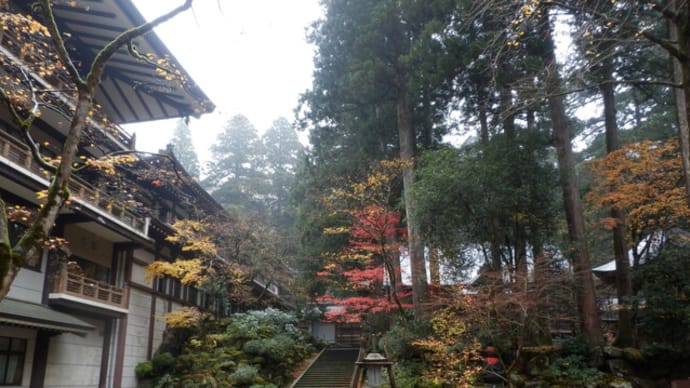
(283, 150)
(579, 251)
(370, 74)
(183, 148)
(235, 177)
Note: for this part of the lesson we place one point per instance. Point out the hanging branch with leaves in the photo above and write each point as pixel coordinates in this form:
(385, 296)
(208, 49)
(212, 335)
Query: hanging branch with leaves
(43, 55)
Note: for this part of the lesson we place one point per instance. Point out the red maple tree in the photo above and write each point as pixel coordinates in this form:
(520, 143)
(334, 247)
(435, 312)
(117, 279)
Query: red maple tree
(365, 271)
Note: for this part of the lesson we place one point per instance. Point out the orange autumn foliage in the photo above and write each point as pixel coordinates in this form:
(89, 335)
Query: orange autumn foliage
(645, 181)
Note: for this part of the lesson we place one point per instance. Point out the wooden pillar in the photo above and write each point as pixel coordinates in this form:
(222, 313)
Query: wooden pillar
(40, 362)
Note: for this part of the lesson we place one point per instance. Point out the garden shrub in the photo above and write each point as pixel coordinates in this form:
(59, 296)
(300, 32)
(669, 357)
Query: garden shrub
(144, 370)
(406, 374)
(245, 374)
(398, 342)
(572, 370)
(174, 340)
(167, 381)
(254, 349)
(576, 346)
(163, 362)
(665, 292)
(450, 353)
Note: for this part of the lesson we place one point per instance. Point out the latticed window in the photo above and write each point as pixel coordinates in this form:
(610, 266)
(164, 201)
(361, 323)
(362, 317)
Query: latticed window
(12, 353)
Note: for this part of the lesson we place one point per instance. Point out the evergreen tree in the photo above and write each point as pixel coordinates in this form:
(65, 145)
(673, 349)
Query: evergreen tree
(183, 148)
(235, 173)
(662, 24)
(283, 149)
(378, 92)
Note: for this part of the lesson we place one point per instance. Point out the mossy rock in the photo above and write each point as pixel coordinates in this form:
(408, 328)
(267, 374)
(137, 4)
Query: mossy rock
(527, 353)
(633, 355)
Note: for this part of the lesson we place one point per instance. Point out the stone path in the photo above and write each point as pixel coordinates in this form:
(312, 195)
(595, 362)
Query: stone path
(333, 369)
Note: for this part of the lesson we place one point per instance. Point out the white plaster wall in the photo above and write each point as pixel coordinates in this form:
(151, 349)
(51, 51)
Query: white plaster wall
(139, 275)
(30, 336)
(75, 360)
(89, 246)
(28, 285)
(159, 324)
(137, 335)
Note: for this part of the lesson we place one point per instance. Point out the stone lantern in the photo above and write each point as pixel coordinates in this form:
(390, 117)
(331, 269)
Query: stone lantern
(373, 364)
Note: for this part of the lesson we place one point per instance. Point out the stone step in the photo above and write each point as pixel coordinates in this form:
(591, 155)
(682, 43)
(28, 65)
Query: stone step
(333, 369)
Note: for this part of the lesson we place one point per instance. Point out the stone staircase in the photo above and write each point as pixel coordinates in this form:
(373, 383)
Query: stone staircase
(333, 369)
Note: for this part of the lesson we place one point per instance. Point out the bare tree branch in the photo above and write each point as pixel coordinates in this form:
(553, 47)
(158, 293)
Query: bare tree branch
(664, 43)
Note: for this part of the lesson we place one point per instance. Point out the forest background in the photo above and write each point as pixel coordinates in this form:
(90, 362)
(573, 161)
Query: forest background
(392, 79)
(514, 203)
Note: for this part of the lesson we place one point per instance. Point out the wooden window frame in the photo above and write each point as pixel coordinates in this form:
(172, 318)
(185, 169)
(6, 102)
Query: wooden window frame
(8, 353)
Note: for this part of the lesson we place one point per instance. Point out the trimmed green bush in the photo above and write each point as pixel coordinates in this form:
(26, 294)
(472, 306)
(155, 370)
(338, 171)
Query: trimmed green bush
(144, 370)
(258, 349)
(245, 374)
(163, 362)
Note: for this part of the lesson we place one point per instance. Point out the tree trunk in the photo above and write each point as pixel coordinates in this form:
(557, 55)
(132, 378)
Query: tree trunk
(496, 254)
(624, 290)
(586, 303)
(494, 262)
(58, 193)
(681, 75)
(394, 259)
(507, 114)
(6, 262)
(483, 120)
(434, 266)
(508, 122)
(415, 248)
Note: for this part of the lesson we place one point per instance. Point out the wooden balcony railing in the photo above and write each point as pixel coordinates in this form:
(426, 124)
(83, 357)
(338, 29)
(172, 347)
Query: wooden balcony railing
(82, 287)
(20, 155)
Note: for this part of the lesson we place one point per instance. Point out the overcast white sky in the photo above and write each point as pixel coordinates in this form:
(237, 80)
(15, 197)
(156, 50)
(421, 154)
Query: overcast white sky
(249, 56)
